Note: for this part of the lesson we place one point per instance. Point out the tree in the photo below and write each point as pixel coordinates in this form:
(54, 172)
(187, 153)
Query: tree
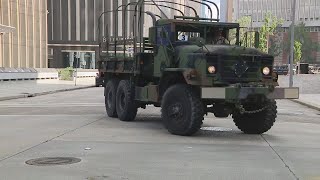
(271, 23)
(244, 23)
(307, 45)
(275, 47)
(297, 51)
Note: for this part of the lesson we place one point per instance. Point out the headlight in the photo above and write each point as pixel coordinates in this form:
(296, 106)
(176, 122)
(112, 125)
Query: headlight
(211, 69)
(266, 71)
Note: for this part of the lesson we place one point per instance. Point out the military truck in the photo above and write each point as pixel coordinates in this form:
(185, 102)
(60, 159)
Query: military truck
(189, 66)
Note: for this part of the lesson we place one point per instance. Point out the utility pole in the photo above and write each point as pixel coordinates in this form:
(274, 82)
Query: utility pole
(292, 42)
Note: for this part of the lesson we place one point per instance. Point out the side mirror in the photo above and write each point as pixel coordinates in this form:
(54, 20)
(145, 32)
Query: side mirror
(256, 39)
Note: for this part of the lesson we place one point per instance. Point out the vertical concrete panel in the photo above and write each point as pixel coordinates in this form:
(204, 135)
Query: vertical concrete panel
(107, 18)
(1, 51)
(30, 38)
(37, 34)
(7, 38)
(23, 33)
(130, 31)
(50, 16)
(73, 20)
(44, 38)
(65, 22)
(86, 12)
(78, 16)
(82, 20)
(91, 28)
(15, 36)
(56, 21)
(6, 51)
(99, 10)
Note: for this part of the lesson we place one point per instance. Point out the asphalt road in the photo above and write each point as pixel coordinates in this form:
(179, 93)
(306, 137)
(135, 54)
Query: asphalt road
(74, 124)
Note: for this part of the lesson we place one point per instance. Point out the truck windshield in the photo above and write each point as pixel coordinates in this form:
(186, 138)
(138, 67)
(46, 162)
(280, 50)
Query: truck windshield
(211, 34)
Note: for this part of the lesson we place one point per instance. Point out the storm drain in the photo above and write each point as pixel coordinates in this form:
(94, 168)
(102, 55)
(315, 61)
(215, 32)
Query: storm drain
(52, 161)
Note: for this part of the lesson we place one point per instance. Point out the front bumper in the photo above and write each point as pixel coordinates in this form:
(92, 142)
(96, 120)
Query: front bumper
(233, 93)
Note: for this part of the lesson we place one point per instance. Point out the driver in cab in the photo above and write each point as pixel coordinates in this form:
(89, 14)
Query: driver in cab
(217, 36)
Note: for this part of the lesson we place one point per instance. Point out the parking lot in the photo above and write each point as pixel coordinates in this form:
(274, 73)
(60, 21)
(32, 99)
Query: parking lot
(74, 124)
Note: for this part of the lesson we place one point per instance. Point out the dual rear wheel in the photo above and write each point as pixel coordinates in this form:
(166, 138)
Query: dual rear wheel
(119, 100)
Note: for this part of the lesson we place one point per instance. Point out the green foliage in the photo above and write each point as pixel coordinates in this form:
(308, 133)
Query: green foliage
(269, 27)
(66, 74)
(275, 47)
(245, 24)
(307, 45)
(297, 51)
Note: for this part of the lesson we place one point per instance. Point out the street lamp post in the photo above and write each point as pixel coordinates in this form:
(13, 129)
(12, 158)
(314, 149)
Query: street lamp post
(292, 43)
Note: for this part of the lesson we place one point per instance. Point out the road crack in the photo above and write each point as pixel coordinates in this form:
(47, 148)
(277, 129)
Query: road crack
(46, 141)
(285, 164)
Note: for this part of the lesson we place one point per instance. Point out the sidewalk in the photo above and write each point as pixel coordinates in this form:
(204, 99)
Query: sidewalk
(309, 87)
(21, 89)
(309, 100)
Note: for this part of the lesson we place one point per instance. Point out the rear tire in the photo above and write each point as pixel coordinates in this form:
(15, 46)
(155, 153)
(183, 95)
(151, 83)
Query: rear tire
(125, 104)
(257, 123)
(110, 97)
(182, 110)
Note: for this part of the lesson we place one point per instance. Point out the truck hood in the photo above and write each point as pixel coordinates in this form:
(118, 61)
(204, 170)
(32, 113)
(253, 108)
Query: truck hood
(217, 50)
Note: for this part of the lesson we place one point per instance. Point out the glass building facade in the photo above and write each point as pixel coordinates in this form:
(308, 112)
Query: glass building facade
(73, 27)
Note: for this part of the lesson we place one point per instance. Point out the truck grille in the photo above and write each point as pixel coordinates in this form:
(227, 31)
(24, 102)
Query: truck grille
(244, 68)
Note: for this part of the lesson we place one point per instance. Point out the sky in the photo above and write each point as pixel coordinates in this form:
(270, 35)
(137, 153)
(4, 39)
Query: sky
(214, 11)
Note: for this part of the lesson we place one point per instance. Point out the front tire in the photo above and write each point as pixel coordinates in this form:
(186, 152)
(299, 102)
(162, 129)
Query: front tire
(125, 104)
(182, 110)
(256, 123)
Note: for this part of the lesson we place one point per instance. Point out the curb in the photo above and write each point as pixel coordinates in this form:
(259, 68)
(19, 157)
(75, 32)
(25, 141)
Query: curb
(306, 104)
(43, 93)
(13, 97)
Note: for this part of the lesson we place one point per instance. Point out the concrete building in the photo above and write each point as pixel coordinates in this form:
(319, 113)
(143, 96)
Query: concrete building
(26, 44)
(73, 27)
(307, 11)
(226, 10)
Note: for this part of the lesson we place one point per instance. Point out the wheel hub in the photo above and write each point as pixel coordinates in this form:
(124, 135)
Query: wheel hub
(176, 110)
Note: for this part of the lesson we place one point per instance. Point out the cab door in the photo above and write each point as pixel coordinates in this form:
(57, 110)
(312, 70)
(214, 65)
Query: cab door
(164, 49)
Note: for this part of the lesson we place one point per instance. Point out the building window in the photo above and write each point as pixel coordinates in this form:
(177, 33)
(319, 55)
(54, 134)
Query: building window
(312, 29)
